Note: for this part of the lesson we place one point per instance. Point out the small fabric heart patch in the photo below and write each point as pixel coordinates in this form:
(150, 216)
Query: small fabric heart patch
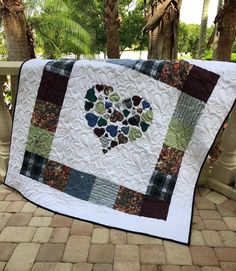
(115, 121)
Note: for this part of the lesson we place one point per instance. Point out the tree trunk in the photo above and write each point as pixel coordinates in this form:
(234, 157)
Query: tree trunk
(216, 37)
(18, 41)
(162, 25)
(112, 22)
(203, 29)
(227, 30)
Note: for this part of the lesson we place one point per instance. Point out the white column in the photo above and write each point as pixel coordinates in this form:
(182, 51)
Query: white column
(5, 131)
(223, 175)
(225, 166)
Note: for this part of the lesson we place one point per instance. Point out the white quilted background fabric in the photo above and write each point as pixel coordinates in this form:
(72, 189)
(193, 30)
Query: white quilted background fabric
(133, 164)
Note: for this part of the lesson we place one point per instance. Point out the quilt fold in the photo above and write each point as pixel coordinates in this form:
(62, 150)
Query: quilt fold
(118, 142)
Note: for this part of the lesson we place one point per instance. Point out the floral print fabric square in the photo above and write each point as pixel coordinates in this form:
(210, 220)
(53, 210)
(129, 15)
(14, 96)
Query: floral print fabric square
(169, 161)
(46, 115)
(175, 73)
(128, 201)
(56, 175)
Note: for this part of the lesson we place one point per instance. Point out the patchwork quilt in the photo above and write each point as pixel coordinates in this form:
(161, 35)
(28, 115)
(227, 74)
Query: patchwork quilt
(118, 142)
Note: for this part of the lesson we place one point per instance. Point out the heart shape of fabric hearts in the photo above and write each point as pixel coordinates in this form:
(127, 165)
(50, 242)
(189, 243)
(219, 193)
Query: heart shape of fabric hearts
(115, 121)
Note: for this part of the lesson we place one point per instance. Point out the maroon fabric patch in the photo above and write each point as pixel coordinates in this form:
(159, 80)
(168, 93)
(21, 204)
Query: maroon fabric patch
(56, 175)
(154, 208)
(52, 87)
(200, 83)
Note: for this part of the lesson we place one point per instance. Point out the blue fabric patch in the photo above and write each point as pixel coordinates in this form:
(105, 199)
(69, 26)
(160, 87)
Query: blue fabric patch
(80, 184)
(91, 119)
(128, 63)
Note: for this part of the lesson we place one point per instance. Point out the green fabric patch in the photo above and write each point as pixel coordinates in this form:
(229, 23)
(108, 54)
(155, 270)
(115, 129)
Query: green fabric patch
(178, 135)
(134, 134)
(91, 95)
(147, 116)
(100, 108)
(114, 97)
(39, 141)
(102, 122)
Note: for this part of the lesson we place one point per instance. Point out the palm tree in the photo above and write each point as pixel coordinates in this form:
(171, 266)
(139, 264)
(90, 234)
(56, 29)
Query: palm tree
(17, 35)
(162, 26)
(226, 28)
(112, 22)
(203, 29)
(57, 32)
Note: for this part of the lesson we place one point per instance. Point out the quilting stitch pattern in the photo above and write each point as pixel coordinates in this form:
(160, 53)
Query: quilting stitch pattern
(161, 186)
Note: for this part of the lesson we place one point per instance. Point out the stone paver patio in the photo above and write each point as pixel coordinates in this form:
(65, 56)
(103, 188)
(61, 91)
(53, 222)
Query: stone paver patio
(32, 238)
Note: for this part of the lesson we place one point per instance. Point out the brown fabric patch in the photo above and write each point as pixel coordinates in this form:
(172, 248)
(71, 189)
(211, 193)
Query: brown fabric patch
(128, 201)
(175, 73)
(52, 87)
(56, 175)
(169, 161)
(46, 115)
(200, 83)
(154, 208)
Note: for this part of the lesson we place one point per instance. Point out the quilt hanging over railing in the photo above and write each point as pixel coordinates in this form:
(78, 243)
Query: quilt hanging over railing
(118, 142)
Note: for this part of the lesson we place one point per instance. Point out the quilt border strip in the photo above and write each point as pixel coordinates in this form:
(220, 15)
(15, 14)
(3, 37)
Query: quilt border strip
(155, 203)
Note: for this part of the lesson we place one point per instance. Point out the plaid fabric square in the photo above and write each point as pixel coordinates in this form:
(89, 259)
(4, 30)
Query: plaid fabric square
(80, 184)
(200, 83)
(161, 186)
(169, 161)
(33, 166)
(104, 192)
(178, 135)
(151, 68)
(56, 175)
(46, 115)
(62, 67)
(52, 87)
(188, 109)
(154, 208)
(39, 141)
(128, 201)
(174, 73)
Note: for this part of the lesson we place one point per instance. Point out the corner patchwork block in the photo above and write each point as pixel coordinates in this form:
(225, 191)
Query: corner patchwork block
(33, 166)
(200, 83)
(39, 141)
(80, 184)
(56, 175)
(188, 109)
(104, 192)
(52, 87)
(154, 208)
(175, 73)
(169, 161)
(46, 115)
(128, 201)
(178, 135)
(61, 67)
(161, 186)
